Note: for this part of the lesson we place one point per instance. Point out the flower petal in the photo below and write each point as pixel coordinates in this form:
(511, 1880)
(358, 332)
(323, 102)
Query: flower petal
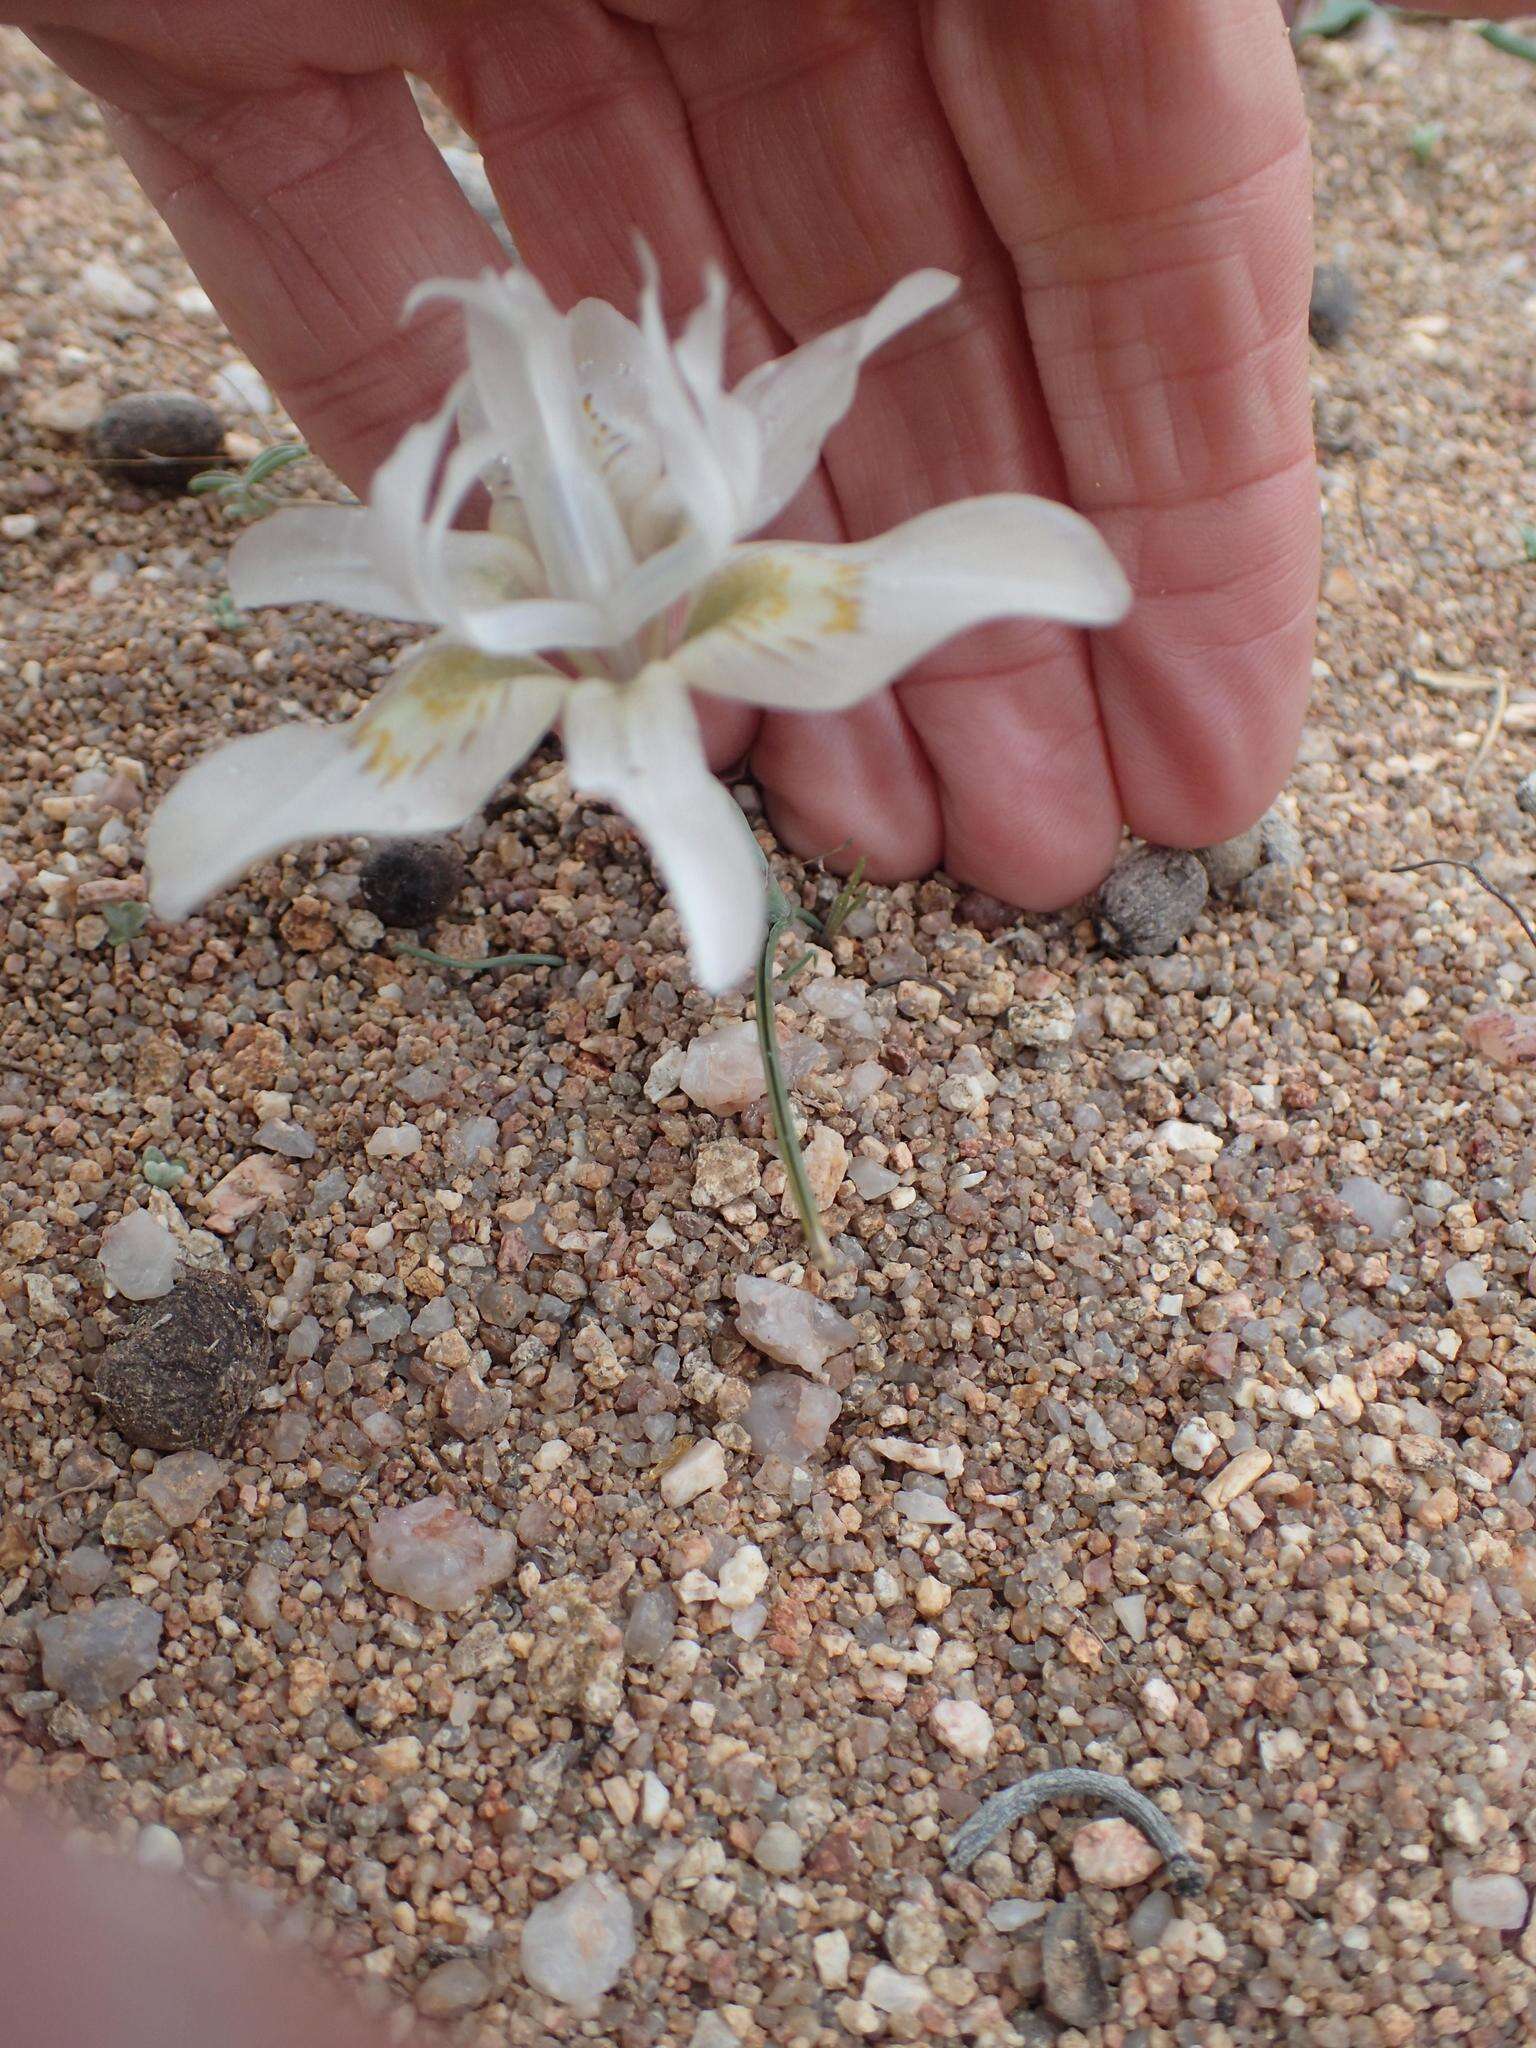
(422, 757)
(814, 628)
(696, 467)
(316, 554)
(637, 746)
(610, 372)
(524, 380)
(798, 399)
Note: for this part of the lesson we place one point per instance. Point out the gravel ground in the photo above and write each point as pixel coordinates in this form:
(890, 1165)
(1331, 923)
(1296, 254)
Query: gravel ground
(1185, 1409)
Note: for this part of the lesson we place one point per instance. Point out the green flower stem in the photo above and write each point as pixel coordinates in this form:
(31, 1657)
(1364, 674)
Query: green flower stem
(780, 1107)
(1507, 40)
(479, 966)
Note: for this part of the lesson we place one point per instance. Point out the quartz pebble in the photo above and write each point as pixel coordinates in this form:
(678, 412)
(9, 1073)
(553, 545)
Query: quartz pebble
(894, 1992)
(779, 1850)
(914, 1937)
(1507, 1037)
(246, 1190)
(111, 289)
(138, 1256)
(790, 1325)
(94, 1654)
(1193, 1141)
(1194, 1443)
(723, 1070)
(576, 1945)
(282, 1135)
(433, 1553)
(742, 1577)
(1489, 1899)
(872, 1180)
(831, 1954)
(964, 1728)
(394, 1141)
(477, 1137)
(1113, 1853)
(1374, 1207)
(698, 1469)
(181, 1486)
(1465, 1281)
(789, 1418)
(1236, 1478)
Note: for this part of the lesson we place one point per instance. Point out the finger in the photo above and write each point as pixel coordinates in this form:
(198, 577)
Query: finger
(1145, 161)
(95, 1951)
(835, 173)
(309, 214)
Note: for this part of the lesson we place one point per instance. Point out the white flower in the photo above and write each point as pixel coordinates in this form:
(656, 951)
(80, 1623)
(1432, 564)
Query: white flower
(609, 583)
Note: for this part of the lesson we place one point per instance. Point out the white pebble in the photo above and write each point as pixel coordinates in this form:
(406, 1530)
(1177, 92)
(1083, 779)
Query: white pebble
(108, 287)
(700, 1469)
(138, 1256)
(964, 1728)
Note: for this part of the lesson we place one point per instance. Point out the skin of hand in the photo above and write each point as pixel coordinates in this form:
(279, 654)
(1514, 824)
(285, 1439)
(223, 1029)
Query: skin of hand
(96, 1952)
(1122, 185)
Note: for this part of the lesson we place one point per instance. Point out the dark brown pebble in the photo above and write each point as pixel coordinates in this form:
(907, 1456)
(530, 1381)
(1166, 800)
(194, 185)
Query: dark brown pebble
(412, 882)
(157, 439)
(185, 1375)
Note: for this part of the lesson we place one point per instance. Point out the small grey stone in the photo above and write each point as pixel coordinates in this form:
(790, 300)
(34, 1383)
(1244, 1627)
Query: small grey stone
(1334, 300)
(1151, 1920)
(280, 1134)
(1075, 1990)
(651, 1625)
(452, 1988)
(158, 439)
(84, 1570)
(181, 1486)
(1151, 900)
(94, 1655)
(779, 1850)
(1233, 861)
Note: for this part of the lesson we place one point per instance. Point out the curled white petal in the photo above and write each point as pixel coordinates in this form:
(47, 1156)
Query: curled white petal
(524, 382)
(421, 758)
(637, 746)
(807, 628)
(798, 399)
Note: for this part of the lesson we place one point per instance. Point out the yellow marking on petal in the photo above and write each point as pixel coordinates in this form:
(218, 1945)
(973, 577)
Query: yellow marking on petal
(782, 598)
(443, 696)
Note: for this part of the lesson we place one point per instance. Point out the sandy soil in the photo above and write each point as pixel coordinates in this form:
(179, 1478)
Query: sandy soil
(1067, 1332)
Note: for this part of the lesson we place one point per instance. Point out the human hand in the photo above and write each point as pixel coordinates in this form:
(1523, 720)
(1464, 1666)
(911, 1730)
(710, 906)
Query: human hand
(1123, 188)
